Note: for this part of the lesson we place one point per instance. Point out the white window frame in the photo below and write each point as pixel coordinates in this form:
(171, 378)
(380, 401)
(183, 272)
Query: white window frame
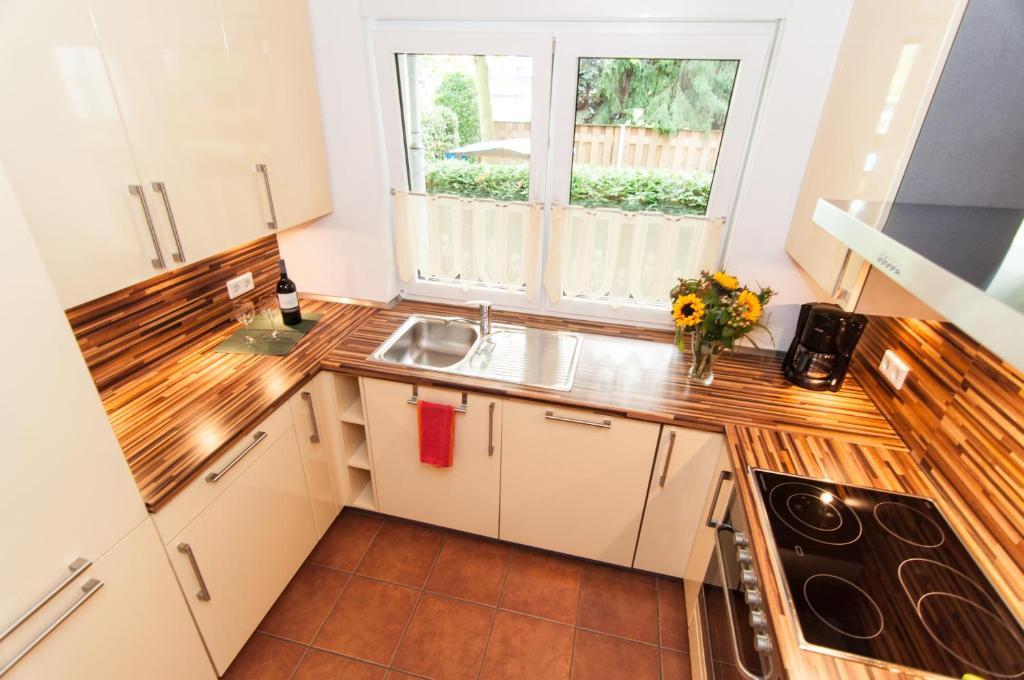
(555, 52)
(389, 42)
(750, 44)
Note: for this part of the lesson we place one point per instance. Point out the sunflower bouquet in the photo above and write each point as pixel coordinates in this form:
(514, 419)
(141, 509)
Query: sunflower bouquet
(716, 311)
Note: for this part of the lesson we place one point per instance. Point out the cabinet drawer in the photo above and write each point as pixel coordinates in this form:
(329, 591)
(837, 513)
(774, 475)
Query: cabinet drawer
(574, 481)
(191, 500)
(237, 556)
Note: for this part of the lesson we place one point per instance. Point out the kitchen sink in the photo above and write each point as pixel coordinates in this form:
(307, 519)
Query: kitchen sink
(509, 353)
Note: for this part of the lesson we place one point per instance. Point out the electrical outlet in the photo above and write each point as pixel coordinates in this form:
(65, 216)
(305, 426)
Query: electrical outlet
(893, 369)
(240, 284)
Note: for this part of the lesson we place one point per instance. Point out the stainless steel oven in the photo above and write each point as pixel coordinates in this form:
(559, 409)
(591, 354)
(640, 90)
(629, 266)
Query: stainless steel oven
(733, 629)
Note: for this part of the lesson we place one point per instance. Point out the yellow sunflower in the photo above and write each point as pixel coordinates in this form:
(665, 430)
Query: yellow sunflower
(688, 310)
(726, 281)
(748, 306)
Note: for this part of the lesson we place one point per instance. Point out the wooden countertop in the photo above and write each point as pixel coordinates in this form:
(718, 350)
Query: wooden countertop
(175, 419)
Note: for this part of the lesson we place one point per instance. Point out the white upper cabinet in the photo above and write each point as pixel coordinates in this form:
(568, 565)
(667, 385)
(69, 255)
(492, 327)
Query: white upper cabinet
(142, 135)
(67, 155)
(181, 105)
(272, 62)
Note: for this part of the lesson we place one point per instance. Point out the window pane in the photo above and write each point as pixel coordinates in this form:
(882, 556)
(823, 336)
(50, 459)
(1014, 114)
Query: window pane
(467, 124)
(648, 131)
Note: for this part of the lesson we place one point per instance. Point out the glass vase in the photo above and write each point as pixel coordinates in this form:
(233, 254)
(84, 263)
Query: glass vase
(704, 355)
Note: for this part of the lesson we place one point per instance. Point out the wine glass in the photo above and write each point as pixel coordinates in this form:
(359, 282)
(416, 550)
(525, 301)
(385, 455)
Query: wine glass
(269, 313)
(245, 313)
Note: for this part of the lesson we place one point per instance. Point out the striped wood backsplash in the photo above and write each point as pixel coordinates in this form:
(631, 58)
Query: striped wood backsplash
(961, 410)
(140, 327)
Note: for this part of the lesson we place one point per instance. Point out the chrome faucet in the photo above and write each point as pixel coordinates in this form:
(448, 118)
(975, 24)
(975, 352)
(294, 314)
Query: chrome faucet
(485, 315)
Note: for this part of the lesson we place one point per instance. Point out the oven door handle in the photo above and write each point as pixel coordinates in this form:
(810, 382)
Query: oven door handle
(723, 527)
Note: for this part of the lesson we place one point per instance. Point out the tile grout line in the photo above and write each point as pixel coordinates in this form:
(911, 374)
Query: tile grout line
(494, 617)
(576, 623)
(416, 606)
(657, 621)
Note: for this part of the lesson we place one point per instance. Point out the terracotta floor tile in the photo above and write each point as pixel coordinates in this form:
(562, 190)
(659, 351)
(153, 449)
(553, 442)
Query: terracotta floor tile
(324, 666)
(368, 620)
(600, 657)
(305, 603)
(399, 675)
(672, 615)
(402, 553)
(345, 541)
(525, 648)
(542, 585)
(265, 658)
(446, 639)
(619, 602)
(470, 568)
(675, 665)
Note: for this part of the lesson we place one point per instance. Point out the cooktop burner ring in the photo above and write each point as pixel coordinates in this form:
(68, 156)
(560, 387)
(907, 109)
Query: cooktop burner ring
(918, 514)
(1014, 635)
(867, 598)
(816, 492)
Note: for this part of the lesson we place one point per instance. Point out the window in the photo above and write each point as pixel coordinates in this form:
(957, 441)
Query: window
(647, 136)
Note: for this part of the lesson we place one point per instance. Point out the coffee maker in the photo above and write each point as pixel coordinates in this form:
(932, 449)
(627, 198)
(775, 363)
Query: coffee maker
(821, 349)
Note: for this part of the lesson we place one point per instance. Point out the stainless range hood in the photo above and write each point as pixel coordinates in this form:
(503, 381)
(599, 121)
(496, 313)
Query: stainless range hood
(920, 246)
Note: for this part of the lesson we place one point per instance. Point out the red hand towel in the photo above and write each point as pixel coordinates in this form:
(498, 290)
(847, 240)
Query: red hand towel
(437, 433)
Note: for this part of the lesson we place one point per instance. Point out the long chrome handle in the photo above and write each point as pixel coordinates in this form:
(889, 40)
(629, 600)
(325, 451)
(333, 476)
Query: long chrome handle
(490, 429)
(256, 439)
(732, 616)
(161, 189)
(76, 568)
(550, 415)
(203, 593)
(158, 261)
(89, 588)
(668, 457)
(714, 501)
(308, 398)
(842, 275)
(262, 169)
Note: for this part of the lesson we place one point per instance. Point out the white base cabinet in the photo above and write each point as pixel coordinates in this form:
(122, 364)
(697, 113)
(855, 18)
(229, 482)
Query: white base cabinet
(684, 470)
(238, 554)
(312, 410)
(574, 481)
(134, 625)
(463, 496)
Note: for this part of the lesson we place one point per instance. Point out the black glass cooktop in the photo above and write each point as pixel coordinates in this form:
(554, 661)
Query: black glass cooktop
(883, 576)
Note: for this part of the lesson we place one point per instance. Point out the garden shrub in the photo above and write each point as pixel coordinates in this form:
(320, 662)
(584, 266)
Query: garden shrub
(457, 92)
(440, 128)
(623, 188)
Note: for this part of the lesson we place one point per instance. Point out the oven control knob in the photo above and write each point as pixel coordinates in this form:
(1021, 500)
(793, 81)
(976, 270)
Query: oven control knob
(740, 539)
(758, 619)
(744, 556)
(752, 597)
(762, 644)
(748, 578)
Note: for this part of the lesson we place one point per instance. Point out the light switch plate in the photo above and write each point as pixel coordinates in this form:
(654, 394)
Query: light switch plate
(893, 369)
(240, 284)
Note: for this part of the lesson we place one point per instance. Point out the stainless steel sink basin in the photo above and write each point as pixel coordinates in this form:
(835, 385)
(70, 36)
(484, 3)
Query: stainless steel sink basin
(516, 354)
(430, 342)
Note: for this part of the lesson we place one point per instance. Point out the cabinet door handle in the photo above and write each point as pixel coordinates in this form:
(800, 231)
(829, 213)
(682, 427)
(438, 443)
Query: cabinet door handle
(90, 588)
(256, 439)
(262, 169)
(75, 568)
(308, 398)
(161, 189)
(490, 429)
(203, 593)
(550, 415)
(668, 457)
(714, 501)
(158, 261)
(837, 288)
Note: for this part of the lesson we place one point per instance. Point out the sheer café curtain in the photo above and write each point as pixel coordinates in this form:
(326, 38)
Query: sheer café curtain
(599, 254)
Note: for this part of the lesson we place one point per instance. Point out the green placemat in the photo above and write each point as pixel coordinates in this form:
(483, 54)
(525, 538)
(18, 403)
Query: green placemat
(261, 329)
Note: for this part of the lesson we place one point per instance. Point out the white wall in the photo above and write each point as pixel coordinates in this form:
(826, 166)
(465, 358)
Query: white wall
(349, 253)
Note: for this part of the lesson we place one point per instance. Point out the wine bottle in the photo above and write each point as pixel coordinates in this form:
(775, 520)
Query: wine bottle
(287, 298)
